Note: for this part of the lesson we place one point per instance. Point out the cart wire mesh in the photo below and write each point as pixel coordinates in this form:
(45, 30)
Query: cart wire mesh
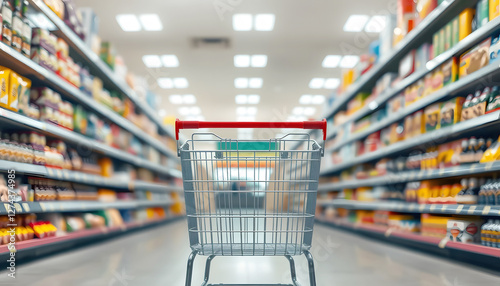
(250, 198)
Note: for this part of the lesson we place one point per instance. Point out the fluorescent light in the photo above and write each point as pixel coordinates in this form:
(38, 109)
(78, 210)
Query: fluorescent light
(247, 99)
(264, 22)
(181, 82)
(348, 62)
(151, 22)
(331, 61)
(185, 111)
(128, 22)
(309, 111)
(355, 23)
(195, 110)
(241, 82)
(316, 83)
(242, 22)
(298, 111)
(255, 82)
(242, 61)
(253, 99)
(175, 99)
(318, 99)
(241, 99)
(246, 111)
(376, 24)
(170, 61)
(189, 99)
(306, 99)
(332, 83)
(151, 61)
(259, 61)
(165, 82)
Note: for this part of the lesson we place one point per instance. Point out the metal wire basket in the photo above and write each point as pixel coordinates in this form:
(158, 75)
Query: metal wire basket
(250, 198)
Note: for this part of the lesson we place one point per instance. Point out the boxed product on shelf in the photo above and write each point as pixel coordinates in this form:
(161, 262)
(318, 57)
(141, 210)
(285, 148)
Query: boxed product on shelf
(6, 22)
(450, 71)
(432, 117)
(482, 13)
(466, 19)
(475, 59)
(451, 111)
(85, 192)
(42, 38)
(43, 229)
(52, 108)
(492, 153)
(57, 6)
(44, 58)
(464, 230)
(108, 54)
(494, 9)
(71, 19)
(15, 88)
(434, 226)
(407, 64)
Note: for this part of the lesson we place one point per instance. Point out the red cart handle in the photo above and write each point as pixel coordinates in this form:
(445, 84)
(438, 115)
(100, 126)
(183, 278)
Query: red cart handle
(213, 124)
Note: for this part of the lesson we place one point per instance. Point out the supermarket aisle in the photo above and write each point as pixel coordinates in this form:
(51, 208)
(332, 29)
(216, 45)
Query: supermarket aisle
(158, 257)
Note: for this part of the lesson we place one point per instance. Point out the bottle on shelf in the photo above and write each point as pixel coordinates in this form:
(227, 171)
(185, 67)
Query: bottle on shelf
(485, 233)
(495, 236)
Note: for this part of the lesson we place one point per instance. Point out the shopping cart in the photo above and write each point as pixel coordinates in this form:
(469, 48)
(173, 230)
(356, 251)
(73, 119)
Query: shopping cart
(250, 197)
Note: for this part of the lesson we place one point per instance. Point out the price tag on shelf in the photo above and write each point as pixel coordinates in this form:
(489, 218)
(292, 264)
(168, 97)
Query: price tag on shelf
(50, 172)
(85, 178)
(421, 208)
(412, 176)
(59, 173)
(26, 207)
(433, 207)
(473, 167)
(444, 208)
(43, 207)
(65, 175)
(52, 207)
(388, 232)
(459, 208)
(441, 171)
(18, 208)
(443, 242)
(421, 174)
(411, 207)
(471, 209)
(488, 166)
(486, 210)
(43, 126)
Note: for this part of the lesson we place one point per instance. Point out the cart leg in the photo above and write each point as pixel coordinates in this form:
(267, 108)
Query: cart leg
(292, 270)
(312, 274)
(189, 272)
(207, 269)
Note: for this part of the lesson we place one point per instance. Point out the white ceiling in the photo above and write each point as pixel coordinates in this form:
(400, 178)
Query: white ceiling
(304, 33)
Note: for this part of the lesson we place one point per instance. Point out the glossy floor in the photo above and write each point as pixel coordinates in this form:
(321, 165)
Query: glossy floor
(158, 257)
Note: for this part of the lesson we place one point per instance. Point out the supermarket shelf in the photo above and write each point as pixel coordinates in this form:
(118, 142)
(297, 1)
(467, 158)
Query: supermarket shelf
(432, 136)
(475, 254)
(80, 140)
(450, 209)
(437, 18)
(475, 37)
(155, 187)
(26, 66)
(41, 248)
(78, 206)
(451, 89)
(83, 178)
(416, 175)
(93, 60)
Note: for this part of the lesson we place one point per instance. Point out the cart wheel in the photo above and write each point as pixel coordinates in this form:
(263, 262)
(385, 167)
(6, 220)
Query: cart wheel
(189, 272)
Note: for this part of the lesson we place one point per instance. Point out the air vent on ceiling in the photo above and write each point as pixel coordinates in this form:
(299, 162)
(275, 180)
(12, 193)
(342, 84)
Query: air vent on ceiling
(211, 43)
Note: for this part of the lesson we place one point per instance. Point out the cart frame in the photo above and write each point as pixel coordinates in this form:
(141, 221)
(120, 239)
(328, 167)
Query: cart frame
(283, 228)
